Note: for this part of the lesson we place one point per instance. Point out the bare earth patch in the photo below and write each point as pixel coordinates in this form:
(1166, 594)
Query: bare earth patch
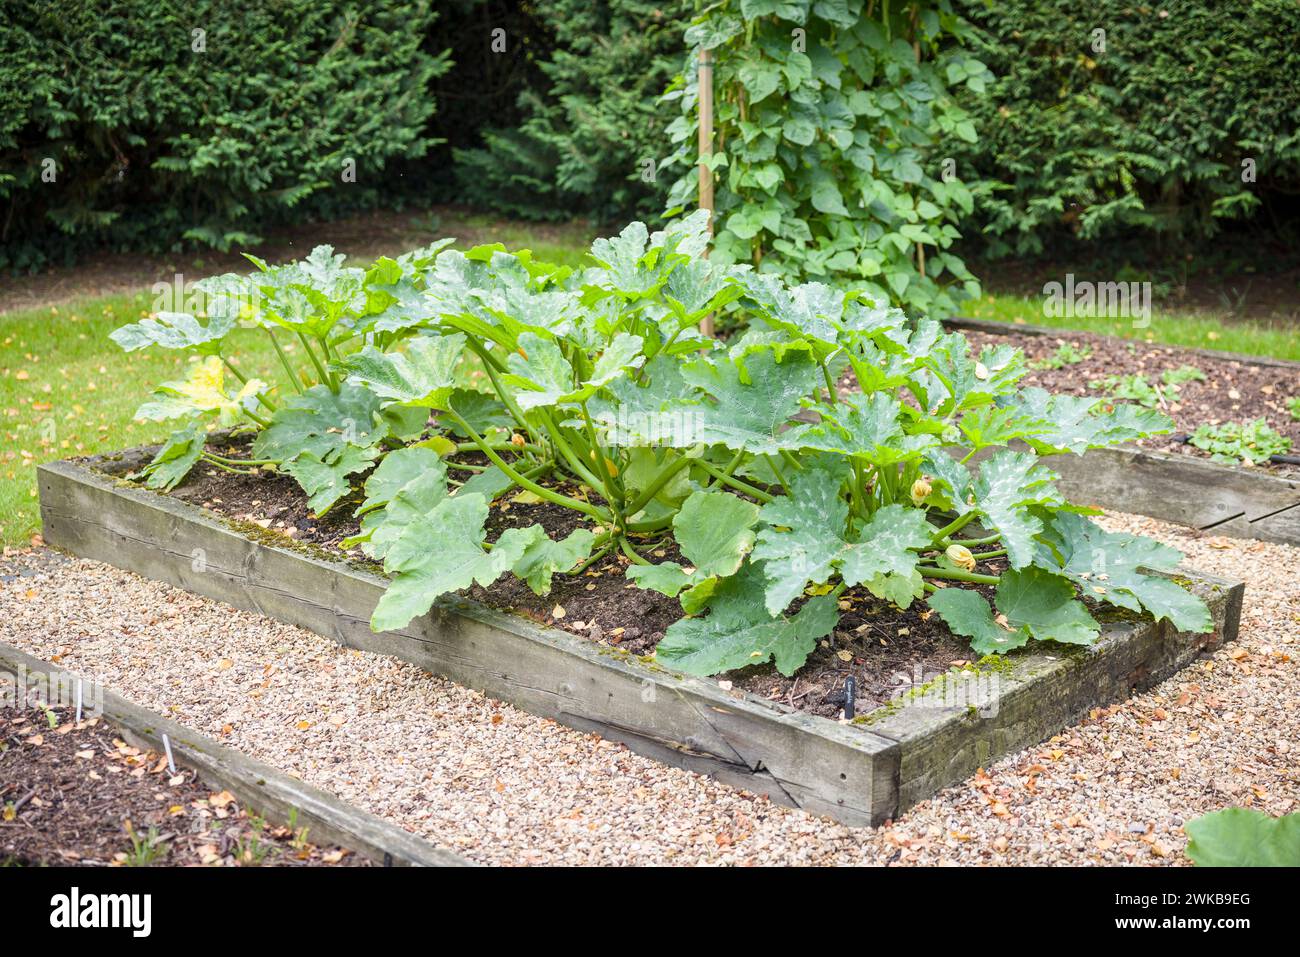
(502, 786)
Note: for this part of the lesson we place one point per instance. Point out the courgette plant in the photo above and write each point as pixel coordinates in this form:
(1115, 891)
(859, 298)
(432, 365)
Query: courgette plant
(436, 384)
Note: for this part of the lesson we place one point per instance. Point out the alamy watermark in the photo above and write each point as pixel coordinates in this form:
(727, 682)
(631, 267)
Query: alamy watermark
(1078, 299)
(22, 688)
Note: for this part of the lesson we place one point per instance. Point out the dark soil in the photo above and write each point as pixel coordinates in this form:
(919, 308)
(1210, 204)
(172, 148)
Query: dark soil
(1232, 391)
(76, 794)
(886, 650)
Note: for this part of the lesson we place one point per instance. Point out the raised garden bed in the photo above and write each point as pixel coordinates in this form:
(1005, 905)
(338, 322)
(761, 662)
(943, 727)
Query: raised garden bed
(861, 771)
(299, 811)
(1164, 476)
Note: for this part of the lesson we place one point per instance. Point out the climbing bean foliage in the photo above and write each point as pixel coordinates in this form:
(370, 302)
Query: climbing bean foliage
(833, 122)
(427, 389)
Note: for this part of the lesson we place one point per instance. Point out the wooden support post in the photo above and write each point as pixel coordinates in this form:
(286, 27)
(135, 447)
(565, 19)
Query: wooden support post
(706, 151)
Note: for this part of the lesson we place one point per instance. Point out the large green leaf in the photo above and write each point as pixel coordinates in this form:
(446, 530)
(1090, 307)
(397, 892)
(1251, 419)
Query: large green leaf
(321, 422)
(326, 480)
(1243, 837)
(868, 427)
(177, 456)
(715, 532)
(1077, 423)
(175, 330)
(743, 404)
(738, 631)
(545, 377)
(424, 375)
(1106, 566)
(804, 542)
(1007, 485)
(543, 557)
(443, 552)
(1032, 602)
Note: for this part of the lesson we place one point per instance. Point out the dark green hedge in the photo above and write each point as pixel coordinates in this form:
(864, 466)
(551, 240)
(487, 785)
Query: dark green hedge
(592, 132)
(153, 143)
(1144, 141)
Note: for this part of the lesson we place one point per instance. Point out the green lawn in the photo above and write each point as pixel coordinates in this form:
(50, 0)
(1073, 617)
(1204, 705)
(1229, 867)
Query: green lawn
(66, 389)
(1281, 340)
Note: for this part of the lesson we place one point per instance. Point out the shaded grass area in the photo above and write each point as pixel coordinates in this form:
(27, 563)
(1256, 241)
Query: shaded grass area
(66, 389)
(1195, 330)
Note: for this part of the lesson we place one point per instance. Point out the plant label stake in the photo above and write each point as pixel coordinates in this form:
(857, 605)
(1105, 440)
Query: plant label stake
(850, 697)
(79, 683)
(167, 746)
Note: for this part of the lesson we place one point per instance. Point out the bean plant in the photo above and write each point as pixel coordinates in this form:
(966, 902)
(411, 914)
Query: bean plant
(424, 390)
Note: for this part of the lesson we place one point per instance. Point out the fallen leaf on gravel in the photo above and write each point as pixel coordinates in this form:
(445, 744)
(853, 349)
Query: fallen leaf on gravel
(333, 857)
(221, 799)
(558, 611)
(87, 755)
(175, 810)
(226, 664)
(176, 780)
(303, 725)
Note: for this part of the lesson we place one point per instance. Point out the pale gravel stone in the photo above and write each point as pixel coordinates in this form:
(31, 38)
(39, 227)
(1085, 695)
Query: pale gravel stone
(502, 786)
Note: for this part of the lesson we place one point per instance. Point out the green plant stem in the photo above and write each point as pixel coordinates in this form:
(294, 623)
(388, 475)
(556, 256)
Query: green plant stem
(490, 366)
(957, 524)
(956, 575)
(736, 483)
(284, 361)
(662, 479)
(243, 379)
(320, 369)
(779, 476)
(226, 468)
(539, 490)
(224, 460)
(626, 547)
(833, 395)
(576, 465)
(984, 556)
(596, 556)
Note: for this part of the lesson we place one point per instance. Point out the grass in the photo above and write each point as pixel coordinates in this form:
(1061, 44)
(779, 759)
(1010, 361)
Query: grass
(1176, 329)
(66, 389)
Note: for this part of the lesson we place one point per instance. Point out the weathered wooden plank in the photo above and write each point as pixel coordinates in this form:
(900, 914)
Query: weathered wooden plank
(278, 797)
(858, 774)
(791, 757)
(956, 724)
(1186, 490)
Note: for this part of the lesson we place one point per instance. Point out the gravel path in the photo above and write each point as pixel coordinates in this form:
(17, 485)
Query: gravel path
(501, 786)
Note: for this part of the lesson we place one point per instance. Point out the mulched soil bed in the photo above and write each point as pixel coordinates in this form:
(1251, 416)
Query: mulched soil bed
(885, 650)
(76, 793)
(1232, 391)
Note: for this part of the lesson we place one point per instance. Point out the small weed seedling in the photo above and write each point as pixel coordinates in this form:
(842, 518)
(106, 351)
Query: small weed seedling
(1066, 354)
(146, 850)
(1293, 406)
(1181, 376)
(1135, 388)
(1245, 442)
